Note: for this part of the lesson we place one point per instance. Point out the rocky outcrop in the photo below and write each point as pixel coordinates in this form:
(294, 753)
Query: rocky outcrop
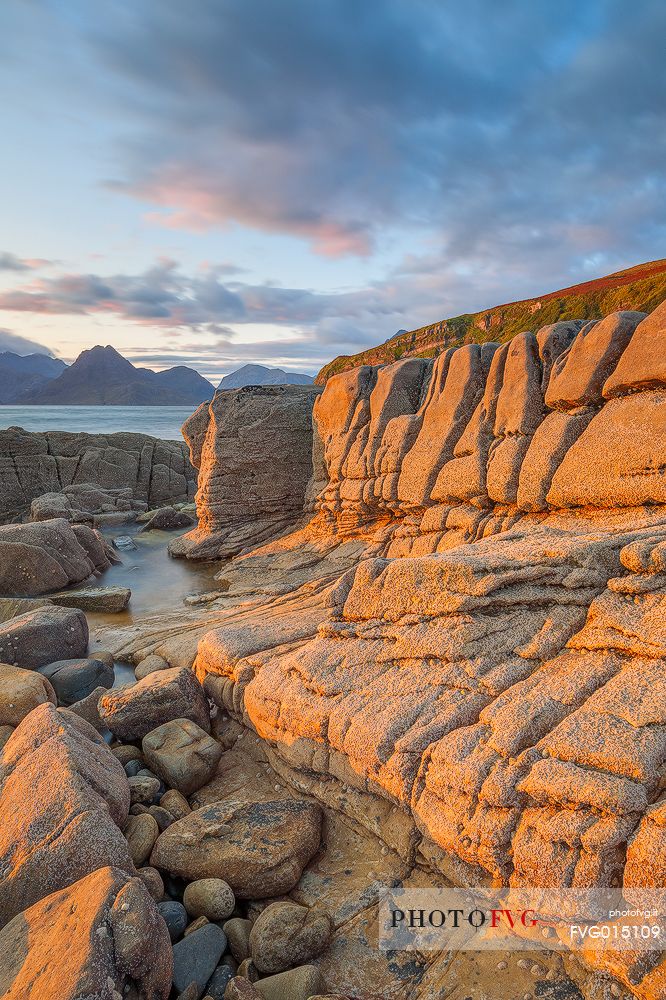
(253, 449)
(43, 556)
(32, 464)
(463, 648)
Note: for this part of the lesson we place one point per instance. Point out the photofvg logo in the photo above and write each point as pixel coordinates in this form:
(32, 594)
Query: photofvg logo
(449, 919)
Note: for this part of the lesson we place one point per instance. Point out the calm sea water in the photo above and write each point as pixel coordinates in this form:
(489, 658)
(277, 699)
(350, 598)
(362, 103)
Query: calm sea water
(160, 421)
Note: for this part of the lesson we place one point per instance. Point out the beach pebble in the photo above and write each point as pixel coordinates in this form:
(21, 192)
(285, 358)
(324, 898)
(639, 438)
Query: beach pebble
(209, 897)
(196, 957)
(141, 833)
(175, 917)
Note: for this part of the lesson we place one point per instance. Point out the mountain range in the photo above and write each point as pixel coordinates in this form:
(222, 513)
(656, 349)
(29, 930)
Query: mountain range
(103, 377)
(21, 374)
(641, 288)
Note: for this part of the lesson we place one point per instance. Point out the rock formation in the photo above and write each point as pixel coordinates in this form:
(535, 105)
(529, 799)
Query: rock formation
(481, 682)
(243, 499)
(32, 464)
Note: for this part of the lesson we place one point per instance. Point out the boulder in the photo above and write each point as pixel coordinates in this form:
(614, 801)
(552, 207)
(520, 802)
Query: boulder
(108, 600)
(36, 558)
(132, 712)
(101, 934)
(68, 824)
(182, 753)
(286, 934)
(74, 680)
(43, 636)
(258, 848)
(168, 519)
(195, 958)
(20, 692)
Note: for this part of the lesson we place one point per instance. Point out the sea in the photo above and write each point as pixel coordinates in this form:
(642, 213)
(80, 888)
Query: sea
(159, 421)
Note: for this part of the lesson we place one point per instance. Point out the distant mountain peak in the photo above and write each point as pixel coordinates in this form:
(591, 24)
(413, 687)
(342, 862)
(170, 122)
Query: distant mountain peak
(253, 374)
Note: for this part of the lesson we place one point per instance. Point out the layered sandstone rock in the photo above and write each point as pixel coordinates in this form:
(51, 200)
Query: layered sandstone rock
(481, 683)
(253, 448)
(32, 464)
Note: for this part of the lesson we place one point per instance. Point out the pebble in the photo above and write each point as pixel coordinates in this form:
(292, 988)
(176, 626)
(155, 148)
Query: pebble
(175, 803)
(295, 984)
(501, 966)
(123, 543)
(174, 915)
(143, 789)
(241, 989)
(132, 767)
(196, 957)
(141, 833)
(125, 752)
(238, 933)
(196, 925)
(163, 817)
(209, 897)
(219, 982)
(248, 970)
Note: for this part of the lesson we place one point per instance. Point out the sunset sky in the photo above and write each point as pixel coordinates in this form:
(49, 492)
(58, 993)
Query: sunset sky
(214, 182)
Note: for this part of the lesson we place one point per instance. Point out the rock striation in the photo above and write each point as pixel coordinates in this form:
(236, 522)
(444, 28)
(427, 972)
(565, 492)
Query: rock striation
(33, 464)
(466, 653)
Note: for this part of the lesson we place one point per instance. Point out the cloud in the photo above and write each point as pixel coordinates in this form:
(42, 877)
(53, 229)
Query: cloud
(339, 122)
(10, 262)
(20, 345)
(166, 297)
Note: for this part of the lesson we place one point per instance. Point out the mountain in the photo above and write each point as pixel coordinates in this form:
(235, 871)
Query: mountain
(261, 375)
(103, 377)
(20, 374)
(640, 288)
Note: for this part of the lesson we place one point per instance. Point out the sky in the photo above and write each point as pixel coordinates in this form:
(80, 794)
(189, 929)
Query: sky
(219, 182)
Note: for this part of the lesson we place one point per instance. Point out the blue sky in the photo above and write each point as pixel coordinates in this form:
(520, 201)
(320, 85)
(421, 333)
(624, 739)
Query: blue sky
(226, 181)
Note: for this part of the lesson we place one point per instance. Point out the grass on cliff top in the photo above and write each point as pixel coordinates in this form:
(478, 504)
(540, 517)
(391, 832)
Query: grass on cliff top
(641, 288)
